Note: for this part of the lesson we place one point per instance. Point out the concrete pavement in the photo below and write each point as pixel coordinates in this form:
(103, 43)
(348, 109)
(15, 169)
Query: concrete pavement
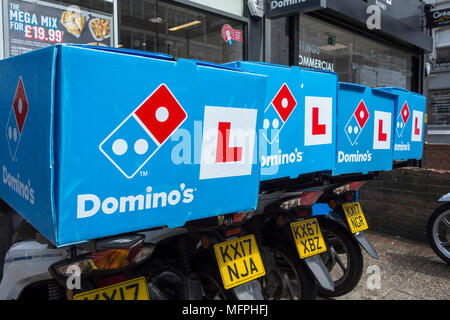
(408, 270)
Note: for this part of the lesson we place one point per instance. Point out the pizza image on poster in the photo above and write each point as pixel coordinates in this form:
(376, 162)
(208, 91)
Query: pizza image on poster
(74, 22)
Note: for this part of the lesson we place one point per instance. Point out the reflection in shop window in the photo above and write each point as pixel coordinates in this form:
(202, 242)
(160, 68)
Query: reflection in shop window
(354, 57)
(443, 55)
(158, 26)
(440, 107)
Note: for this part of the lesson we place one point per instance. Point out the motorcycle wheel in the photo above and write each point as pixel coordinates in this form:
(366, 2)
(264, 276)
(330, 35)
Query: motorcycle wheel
(209, 275)
(287, 277)
(343, 258)
(213, 288)
(438, 232)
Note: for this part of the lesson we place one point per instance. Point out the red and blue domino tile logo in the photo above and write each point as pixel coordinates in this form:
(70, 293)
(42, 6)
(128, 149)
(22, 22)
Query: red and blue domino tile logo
(16, 119)
(134, 142)
(402, 119)
(357, 122)
(278, 112)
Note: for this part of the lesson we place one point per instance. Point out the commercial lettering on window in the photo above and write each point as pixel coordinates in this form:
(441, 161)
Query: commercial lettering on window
(310, 57)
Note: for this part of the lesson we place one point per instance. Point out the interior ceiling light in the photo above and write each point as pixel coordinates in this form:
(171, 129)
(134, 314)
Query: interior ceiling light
(337, 46)
(186, 25)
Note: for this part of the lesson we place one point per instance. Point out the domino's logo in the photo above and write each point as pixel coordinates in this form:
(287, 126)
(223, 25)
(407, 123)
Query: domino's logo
(318, 117)
(278, 112)
(137, 139)
(402, 119)
(16, 119)
(357, 122)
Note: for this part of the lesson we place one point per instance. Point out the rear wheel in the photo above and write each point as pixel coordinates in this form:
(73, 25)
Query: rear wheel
(209, 275)
(213, 288)
(438, 228)
(287, 277)
(343, 258)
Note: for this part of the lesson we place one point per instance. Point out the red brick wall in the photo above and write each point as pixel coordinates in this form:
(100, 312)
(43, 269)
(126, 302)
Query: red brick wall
(401, 202)
(436, 156)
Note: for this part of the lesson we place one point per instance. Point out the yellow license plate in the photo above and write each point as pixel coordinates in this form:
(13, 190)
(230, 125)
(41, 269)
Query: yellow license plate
(239, 261)
(308, 238)
(355, 217)
(135, 289)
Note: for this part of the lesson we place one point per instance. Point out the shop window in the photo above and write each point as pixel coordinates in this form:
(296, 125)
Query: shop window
(443, 55)
(354, 57)
(182, 32)
(442, 38)
(440, 108)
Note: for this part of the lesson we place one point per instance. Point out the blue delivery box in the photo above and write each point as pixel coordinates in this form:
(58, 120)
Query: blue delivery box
(98, 142)
(409, 122)
(298, 135)
(364, 129)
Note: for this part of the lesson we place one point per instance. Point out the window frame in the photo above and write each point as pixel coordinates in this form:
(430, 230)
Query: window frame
(206, 10)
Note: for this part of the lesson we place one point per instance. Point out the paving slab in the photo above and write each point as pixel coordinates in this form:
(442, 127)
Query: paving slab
(407, 269)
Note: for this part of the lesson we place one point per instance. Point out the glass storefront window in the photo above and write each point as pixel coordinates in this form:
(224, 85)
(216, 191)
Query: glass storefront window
(440, 107)
(152, 25)
(443, 55)
(354, 57)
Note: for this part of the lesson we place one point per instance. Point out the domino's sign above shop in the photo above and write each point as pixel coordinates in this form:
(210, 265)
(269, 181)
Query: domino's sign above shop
(278, 8)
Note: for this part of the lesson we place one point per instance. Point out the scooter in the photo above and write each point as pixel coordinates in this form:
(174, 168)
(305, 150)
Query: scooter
(343, 222)
(105, 269)
(438, 229)
(294, 238)
(160, 264)
(285, 207)
(217, 258)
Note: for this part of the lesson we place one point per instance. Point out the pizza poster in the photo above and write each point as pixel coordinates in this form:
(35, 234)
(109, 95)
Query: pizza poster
(37, 24)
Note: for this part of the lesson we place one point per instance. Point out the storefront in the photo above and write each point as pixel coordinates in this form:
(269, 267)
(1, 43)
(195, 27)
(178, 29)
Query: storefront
(334, 36)
(211, 30)
(322, 34)
(438, 21)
